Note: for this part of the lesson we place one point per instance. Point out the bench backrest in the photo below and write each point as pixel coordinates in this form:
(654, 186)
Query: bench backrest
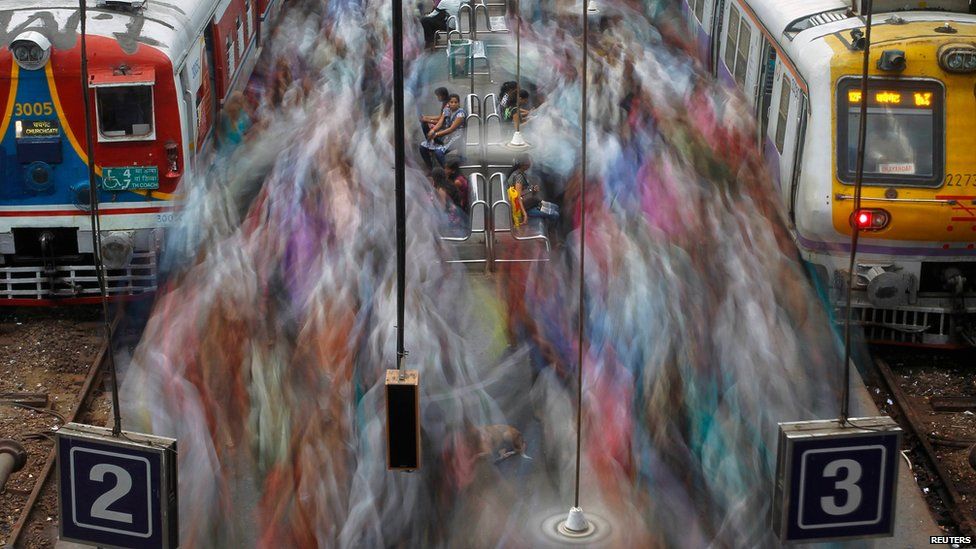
(472, 136)
(493, 130)
(472, 104)
(479, 207)
(465, 15)
(501, 208)
(490, 105)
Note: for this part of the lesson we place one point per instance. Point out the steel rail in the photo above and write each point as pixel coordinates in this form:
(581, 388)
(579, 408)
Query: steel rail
(911, 421)
(86, 394)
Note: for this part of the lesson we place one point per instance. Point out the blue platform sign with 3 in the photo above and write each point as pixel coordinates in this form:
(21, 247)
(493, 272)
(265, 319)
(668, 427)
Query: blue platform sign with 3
(117, 492)
(837, 482)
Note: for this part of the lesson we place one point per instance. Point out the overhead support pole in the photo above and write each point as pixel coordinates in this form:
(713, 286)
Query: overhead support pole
(402, 386)
(400, 174)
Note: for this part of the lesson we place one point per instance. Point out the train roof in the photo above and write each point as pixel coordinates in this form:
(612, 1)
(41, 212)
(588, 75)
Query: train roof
(782, 17)
(168, 25)
(798, 26)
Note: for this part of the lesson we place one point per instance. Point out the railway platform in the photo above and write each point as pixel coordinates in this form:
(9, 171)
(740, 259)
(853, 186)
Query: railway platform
(914, 523)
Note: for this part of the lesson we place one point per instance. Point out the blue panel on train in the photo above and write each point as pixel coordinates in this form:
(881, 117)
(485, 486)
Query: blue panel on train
(39, 149)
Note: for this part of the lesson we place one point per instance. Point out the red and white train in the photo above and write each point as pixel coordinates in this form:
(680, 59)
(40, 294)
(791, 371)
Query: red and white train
(159, 71)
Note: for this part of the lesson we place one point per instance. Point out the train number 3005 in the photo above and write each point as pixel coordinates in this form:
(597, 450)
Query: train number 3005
(34, 109)
(960, 179)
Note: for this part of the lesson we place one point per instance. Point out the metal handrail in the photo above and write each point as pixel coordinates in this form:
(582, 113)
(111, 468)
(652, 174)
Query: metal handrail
(480, 143)
(494, 105)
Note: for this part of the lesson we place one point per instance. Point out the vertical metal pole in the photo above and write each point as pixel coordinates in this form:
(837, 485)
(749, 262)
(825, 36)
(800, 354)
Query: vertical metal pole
(95, 220)
(855, 229)
(518, 63)
(400, 174)
(582, 283)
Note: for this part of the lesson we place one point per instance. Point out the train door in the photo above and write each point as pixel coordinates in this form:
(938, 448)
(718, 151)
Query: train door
(767, 72)
(785, 130)
(205, 96)
(718, 24)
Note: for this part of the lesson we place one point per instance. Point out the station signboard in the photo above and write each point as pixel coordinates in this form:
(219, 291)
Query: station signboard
(836, 482)
(117, 491)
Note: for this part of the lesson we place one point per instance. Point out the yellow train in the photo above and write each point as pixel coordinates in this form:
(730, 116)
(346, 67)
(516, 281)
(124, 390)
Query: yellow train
(799, 63)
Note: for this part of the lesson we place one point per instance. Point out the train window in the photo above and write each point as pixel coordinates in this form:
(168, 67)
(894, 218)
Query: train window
(698, 8)
(732, 38)
(905, 141)
(125, 112)
(249, 13)
(231, 66)
(737, 45)
(240, 35)
(784, 109)
(742, 52)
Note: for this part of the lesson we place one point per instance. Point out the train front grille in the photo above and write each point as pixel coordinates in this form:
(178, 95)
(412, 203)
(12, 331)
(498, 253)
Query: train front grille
(77, 278)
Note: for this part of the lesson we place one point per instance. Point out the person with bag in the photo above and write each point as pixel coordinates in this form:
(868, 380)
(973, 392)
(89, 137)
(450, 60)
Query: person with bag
(529, 195)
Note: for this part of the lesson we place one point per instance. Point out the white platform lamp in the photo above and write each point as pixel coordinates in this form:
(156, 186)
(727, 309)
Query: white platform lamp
(518, 142)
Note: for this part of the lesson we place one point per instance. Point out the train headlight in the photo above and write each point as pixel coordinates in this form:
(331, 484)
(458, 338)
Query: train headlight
(81, 195)
(31, 50)
(870, 220)
(892, 60)
(39, 177)
(958, 58)
(117, 248)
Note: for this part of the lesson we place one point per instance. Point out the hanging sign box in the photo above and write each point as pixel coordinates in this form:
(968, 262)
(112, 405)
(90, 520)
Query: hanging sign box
(835, 483)
(403, 419)
(117, 491)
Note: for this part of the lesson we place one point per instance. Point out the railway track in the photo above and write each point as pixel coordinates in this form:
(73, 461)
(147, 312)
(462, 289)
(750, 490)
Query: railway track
(80, 410)
(944, 455)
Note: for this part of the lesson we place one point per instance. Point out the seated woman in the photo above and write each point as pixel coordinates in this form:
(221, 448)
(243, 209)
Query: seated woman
(460, 184)
(530, 195)
(447, 133)
(427, 120)
(520, 113)
(505, 94)
(445, 198)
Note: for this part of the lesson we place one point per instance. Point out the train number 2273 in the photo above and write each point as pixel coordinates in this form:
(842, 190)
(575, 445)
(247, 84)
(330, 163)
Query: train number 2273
(960, 179)
(34, 109)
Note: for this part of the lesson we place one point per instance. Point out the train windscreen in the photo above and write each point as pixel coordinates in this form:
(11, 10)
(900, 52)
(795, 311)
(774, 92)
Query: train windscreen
(905, 132)
(125, 111)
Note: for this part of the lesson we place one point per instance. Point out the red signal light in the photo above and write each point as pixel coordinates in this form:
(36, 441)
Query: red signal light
(870, 220)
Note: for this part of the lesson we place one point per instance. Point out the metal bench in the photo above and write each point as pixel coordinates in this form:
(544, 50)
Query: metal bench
(477, 226)
(501, 215)
(492, 24)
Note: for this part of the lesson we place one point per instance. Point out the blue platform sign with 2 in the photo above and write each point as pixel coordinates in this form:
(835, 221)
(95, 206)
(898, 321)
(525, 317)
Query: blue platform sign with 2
(116, 492)
(838, 484)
